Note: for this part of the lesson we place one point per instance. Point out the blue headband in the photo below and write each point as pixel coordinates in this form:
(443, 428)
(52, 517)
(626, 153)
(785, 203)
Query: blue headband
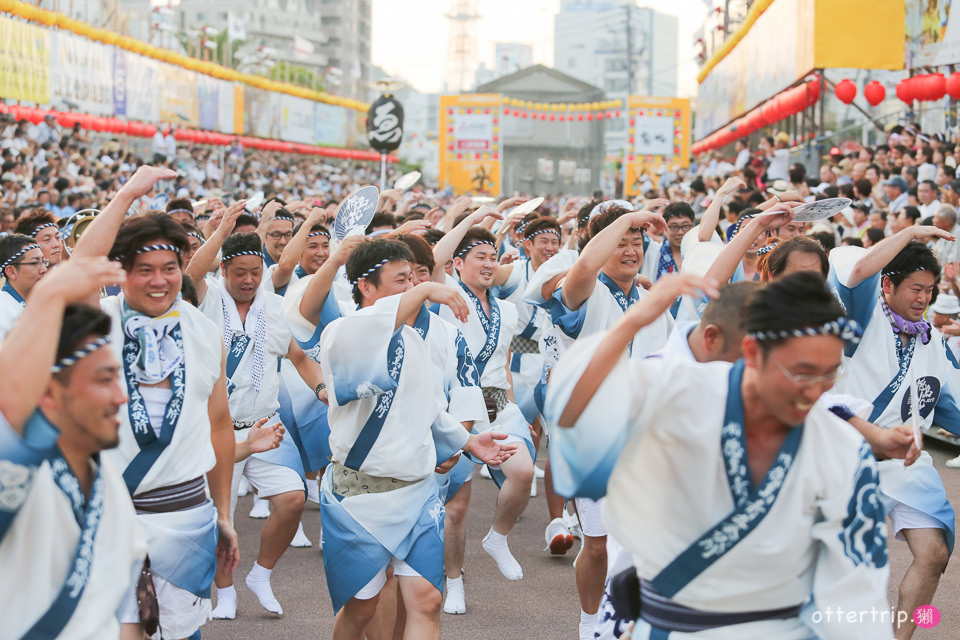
(13, 258)
(467, 248)
(237, 254)
(42, 227)
(79, 354)
(370, 271)
(536, 233)
(158, 247)
(313, 234)
(173, 211)
(843, 328)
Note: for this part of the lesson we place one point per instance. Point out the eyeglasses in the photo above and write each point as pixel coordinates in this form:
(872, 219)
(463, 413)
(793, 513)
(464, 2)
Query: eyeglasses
(806, 380)
(276, 235)
(34, 263)
(674, 228)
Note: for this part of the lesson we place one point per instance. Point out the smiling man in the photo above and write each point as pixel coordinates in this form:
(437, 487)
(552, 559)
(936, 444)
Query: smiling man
(176, 435)
(887, 289)
(784, 498)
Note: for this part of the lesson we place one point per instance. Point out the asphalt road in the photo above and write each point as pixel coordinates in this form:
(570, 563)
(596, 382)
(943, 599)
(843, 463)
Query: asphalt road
(543, 605)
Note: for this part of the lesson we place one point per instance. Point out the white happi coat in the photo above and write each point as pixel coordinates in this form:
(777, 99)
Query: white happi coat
(879, 371)
(11, 308)
(37, 550)
(660, 424)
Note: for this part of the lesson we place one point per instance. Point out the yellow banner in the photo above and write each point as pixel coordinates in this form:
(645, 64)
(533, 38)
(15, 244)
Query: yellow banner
(24, 62)
(860, 34)
(179, 102)
(238, 108)
(659, 135)
(470, 144)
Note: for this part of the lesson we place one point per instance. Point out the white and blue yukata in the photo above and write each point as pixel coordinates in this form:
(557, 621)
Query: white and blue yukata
(169, 445)
(68, 560)
(719, 558)
(526, 361)
(386, 425)
(489, 341)
(11, 308)
(879, 370)
(254, 347)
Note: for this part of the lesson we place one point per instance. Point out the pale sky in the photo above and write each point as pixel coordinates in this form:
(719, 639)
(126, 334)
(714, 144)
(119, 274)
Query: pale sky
(410, 36)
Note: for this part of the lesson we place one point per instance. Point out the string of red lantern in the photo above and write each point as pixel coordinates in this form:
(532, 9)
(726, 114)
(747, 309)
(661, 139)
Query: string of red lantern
(561, 117)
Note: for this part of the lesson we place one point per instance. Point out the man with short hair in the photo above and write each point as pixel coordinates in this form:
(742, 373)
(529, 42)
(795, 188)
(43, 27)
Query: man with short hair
(927, 197)
(381, 363)
(70, 543)
(180, 210)
(276, 234)
(896, 189)
(778, 156)
(886, 290)
(945, 219)
(772, 514)
(22, 265)
(42, 226)
(176, 439)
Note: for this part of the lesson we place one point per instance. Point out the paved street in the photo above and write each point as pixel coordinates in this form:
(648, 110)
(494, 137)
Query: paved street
(541, 606)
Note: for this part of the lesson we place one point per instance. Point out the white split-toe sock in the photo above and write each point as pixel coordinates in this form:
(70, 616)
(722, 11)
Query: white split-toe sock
(261, 508)
(258, 581)
(226, 608)
(496, 545)
(455, 602)
(300, 539)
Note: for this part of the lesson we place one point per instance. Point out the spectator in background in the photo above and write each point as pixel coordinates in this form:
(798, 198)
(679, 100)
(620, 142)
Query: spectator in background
(945, 218)
(778, 156)
(927, 169)
(872, 237)
(47, 131)
(896, 192)
(927, 198)
(743, 154)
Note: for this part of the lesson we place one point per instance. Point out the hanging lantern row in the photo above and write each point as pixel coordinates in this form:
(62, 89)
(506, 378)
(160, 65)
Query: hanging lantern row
(784, 105)
(561, 117)
(873, 91)
(89, 122)
(929, 87)
(560, 107)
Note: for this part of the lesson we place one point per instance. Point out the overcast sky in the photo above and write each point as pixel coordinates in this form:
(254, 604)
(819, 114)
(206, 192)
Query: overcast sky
(410, 37)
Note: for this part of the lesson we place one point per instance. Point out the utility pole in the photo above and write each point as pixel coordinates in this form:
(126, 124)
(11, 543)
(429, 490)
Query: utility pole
(629, 9)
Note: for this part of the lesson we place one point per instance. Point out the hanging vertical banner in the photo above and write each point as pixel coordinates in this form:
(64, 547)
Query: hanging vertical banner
(238, 108)
(178, 95)
(119, 82)
(297, 120)
(264, 113)
(470, 143)
(225, 108)
(659, 136)
(81, 76)
(142, 88)
(24, 62)
(329, 125)
(207, 101)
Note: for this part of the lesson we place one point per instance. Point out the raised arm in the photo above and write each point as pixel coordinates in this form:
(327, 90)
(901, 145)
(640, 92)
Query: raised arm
(443, 251)
(726, 263)
(880, 254)
(99, 237)
(30, 348)
(662, 295)
(711, 217)
(582, 276)
(205, 259)
(412, 300)
(315, 295)
(290, 255)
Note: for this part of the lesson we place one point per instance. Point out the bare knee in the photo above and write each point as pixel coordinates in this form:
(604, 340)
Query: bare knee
(426, 601)
(360, 611)
(595, 549)
(932, 557)
(289, 503)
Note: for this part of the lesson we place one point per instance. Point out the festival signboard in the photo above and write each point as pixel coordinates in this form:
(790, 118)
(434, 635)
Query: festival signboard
(178, 102)
(470, 147)
(658, 135)
(24, 62)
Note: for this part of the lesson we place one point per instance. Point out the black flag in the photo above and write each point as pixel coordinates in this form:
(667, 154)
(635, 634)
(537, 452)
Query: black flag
(385, 124)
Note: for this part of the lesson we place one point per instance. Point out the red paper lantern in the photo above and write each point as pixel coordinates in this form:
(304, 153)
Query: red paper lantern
(953, 86)
(874, 92)
(589, 116)
(552, 117)
(904, 92)
(580, 117)
(524, 115)
(936, 86)
(846, 91)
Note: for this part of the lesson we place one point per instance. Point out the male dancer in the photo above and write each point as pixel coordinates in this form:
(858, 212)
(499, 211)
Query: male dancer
(41, 225)
(22, 265)
(176, 439)
(784, 501)
(70, 543)
(886, 289)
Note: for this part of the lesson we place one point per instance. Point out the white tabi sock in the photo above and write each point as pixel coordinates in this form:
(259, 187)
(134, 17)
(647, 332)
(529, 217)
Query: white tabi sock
(226, 604)
(455, 602)
(587, 623)
(258, 581)
(300, 538)
(261, 508)
(313, 491)
(496, 545)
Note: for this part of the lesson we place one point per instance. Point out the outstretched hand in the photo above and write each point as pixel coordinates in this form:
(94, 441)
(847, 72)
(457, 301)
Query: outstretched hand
(264, 438)
(142, 181)
(487, 447)
(666, 291)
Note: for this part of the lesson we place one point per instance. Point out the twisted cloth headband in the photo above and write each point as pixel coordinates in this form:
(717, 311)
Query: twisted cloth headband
(45, 225)
(18, 254)
(79, 354)
(369, 272)
(237, 254)
(467, 248)
(843, 328)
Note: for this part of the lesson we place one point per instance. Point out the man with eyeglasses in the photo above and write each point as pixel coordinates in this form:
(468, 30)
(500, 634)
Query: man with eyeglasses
(22, 264)
(276, 229)
(736, 506)
(886, 289)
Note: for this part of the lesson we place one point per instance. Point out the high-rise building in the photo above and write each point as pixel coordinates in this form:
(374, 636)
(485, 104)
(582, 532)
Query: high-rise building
(334, 36)
(610, 43)
(624, 49)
